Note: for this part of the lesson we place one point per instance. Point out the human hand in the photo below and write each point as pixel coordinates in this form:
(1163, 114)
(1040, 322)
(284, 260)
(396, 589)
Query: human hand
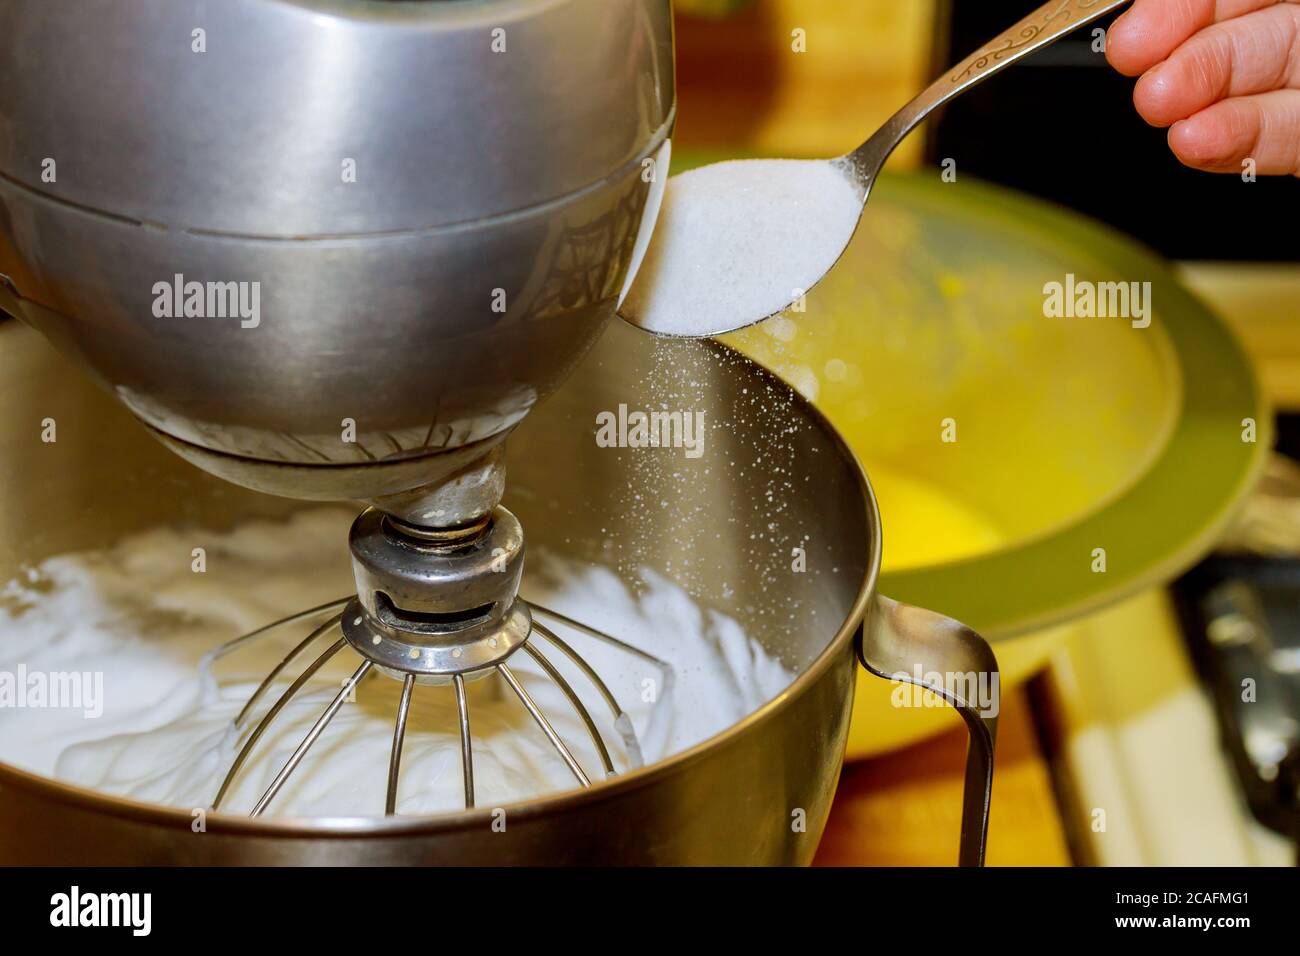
(1223, 75)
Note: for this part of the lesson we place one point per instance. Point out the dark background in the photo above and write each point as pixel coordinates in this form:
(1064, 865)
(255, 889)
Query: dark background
(1061, 125)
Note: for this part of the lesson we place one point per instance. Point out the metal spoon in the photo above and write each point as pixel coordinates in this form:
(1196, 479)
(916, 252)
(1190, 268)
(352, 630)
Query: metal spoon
(1049, 23)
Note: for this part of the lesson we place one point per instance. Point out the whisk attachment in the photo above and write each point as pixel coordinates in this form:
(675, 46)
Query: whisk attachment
(438, 608)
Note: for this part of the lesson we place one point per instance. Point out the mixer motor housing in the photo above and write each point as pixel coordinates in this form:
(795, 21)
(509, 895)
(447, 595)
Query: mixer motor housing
(434, 206)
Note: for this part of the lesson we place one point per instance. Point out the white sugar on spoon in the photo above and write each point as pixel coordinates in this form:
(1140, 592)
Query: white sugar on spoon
(740, 241)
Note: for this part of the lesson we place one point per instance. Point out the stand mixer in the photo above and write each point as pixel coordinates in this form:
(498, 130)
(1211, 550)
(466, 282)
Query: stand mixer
(393, 227)
(437, 205)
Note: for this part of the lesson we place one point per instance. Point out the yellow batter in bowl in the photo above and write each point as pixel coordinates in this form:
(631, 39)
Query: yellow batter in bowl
(1009, 449)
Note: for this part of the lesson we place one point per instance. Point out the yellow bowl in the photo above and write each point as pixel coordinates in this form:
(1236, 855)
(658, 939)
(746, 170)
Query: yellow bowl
(1029, 468)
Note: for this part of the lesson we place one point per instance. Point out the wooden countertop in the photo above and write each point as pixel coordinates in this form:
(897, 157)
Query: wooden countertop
(904, 809)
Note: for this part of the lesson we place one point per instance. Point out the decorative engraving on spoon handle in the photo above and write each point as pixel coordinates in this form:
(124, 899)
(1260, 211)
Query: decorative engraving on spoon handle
(1035, 31)
(1049, 23)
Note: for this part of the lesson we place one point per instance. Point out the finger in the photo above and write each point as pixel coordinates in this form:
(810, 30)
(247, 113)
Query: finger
(1250, 54)
(1264, 127)
(1150, 30)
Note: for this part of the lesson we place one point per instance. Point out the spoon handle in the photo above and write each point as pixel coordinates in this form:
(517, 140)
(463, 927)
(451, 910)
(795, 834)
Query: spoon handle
(1049, 23)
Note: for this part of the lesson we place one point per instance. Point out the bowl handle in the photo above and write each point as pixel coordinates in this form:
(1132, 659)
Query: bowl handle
(913, 646)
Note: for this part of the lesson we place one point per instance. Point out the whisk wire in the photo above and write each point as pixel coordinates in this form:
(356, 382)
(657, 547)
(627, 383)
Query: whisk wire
(622, 722)
(466, 742)
(610, 639)
(578, 706)
(399, 734)
(288, 659)
(556, 741)
(270, 716)
(265, 629)
(581, 663)
(317, 729)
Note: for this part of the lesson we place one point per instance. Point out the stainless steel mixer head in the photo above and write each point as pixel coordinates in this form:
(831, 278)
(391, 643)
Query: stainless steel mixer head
(441, 608)
(330, 249)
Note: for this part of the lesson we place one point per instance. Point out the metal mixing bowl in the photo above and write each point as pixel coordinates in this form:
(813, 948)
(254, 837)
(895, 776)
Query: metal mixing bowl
(733, 799)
